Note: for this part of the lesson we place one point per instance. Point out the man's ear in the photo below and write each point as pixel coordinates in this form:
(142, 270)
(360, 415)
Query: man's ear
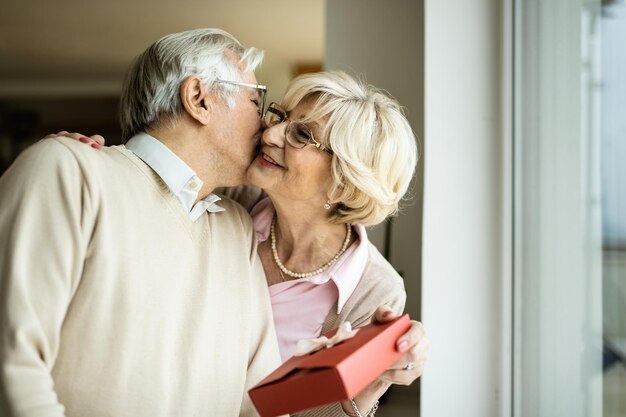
(196, 99)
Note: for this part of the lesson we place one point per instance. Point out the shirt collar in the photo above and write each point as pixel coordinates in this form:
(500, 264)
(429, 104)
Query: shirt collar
(345, 273)
(175, 173)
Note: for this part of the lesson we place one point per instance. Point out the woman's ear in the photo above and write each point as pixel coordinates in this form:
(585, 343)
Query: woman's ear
(196, 99)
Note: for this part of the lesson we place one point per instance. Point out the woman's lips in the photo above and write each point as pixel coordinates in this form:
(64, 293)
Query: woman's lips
(268, 161)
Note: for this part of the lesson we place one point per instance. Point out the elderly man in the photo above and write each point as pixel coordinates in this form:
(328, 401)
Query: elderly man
(126, 288)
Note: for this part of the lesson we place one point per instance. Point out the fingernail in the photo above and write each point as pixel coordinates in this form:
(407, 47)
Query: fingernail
(83, 139)
(387, 313)
(96, 146)
(402, 346)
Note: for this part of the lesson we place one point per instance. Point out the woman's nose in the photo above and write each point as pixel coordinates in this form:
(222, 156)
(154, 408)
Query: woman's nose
(275, 135)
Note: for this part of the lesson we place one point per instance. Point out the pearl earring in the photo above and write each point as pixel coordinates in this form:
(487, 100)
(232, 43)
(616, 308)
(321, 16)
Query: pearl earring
(327, 205)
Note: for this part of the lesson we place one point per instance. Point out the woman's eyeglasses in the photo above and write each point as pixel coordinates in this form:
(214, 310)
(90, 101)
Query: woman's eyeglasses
(297, 134)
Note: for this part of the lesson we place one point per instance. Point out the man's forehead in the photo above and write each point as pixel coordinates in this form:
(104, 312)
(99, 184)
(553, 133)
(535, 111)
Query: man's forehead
(248, 76)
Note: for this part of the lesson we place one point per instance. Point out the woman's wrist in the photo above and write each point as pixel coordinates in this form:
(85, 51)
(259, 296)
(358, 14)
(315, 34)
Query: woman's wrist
(356, 412)
(367, 399)
(347, 408)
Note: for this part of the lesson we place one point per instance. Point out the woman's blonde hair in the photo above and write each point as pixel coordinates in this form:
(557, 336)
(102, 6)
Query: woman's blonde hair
(375, 150)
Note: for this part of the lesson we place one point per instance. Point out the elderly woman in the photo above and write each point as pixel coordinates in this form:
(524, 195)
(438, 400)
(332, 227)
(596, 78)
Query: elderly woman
(337, 155)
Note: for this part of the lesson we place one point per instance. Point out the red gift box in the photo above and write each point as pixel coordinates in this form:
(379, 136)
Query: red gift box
(333, 374)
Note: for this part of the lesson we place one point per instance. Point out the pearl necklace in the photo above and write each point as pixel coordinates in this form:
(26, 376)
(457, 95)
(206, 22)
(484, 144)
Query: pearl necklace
(319, 270)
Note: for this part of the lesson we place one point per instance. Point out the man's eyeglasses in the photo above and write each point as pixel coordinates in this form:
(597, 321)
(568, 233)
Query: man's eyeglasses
(297, 134)
(262, 90)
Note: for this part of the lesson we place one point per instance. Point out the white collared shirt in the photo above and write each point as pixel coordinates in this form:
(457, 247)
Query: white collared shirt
(177, 175)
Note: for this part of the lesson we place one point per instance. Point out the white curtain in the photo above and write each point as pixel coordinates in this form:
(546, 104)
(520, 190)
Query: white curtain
(558, 246)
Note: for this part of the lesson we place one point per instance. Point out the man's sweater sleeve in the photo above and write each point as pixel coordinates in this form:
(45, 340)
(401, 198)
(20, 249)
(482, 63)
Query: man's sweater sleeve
(264, 356)
(42, 251)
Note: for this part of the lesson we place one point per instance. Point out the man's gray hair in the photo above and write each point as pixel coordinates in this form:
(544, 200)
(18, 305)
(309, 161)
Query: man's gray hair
(151, 93)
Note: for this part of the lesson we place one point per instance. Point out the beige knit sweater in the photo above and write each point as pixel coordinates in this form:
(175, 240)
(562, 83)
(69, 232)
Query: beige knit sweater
(114, 303)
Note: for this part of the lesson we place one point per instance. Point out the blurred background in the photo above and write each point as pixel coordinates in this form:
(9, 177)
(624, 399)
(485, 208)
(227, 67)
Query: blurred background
(63, 63)
(513, 244)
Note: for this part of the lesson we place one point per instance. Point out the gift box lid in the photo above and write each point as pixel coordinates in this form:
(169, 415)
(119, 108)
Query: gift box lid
(345, 355)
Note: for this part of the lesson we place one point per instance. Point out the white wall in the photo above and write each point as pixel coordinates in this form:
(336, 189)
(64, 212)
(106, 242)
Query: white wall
(463, 208)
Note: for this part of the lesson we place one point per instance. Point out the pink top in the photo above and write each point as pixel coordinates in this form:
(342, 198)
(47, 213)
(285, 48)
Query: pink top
(300, 306)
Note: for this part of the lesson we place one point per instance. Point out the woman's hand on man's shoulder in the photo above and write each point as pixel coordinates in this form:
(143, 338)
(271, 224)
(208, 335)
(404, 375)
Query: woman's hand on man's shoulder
(95, 141)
